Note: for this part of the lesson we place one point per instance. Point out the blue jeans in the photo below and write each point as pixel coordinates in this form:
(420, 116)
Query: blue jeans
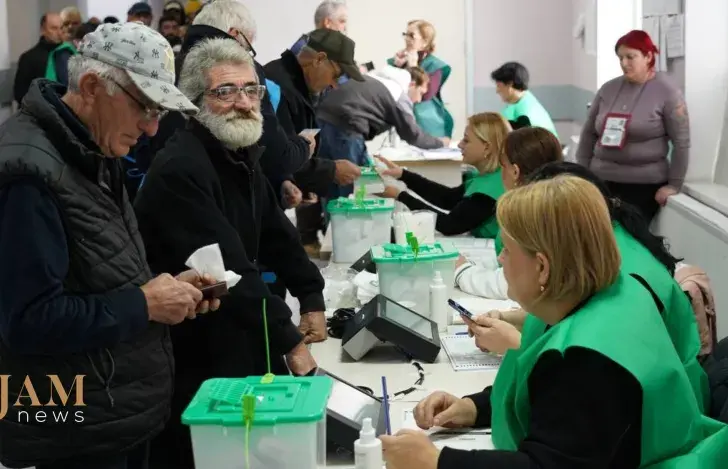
(336, 144)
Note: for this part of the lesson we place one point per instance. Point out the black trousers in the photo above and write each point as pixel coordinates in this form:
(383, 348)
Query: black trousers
(309, 222)
(641, 196)
(138, 458)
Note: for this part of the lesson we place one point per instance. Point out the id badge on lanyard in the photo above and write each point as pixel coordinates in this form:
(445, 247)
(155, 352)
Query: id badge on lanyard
(614, 133)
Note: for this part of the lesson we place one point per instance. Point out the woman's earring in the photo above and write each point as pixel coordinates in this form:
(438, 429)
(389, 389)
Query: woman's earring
(542, 288)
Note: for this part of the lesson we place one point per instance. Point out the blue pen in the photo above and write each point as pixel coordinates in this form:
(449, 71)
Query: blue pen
(461, 333)
(385, 400)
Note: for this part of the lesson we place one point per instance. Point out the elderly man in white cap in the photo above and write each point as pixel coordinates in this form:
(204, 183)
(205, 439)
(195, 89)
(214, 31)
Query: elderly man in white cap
(83, 322)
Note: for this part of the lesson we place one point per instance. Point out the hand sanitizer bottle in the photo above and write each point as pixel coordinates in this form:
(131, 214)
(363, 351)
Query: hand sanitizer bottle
(368, 448)
(438, 303)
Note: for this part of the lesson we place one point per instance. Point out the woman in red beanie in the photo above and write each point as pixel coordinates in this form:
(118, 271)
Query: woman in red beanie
(632, 122)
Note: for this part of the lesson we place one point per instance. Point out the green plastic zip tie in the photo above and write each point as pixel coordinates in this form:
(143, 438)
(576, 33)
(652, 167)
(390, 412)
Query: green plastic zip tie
(361, 193)
(413, 243)
(248, 416)
(268, 377)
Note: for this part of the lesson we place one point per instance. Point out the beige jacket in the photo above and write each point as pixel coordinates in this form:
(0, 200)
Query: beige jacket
(696, 283)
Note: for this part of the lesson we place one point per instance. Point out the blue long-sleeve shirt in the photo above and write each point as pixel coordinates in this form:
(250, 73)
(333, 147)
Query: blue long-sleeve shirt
(37, 316)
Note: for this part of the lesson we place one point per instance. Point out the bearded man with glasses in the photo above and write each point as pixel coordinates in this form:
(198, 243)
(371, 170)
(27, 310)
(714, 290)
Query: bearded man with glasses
(206, 186)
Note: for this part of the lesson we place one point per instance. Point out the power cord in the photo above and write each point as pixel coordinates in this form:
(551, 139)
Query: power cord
(336, 325)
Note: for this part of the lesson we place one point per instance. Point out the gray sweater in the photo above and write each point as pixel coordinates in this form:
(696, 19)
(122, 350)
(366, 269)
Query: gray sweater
(659, 116)
(367, 108)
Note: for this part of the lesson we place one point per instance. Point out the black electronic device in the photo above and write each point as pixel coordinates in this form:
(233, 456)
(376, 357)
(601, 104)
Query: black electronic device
(464, 313)
(365, 262)
(346, 410)
(369, 66)
(383, 320)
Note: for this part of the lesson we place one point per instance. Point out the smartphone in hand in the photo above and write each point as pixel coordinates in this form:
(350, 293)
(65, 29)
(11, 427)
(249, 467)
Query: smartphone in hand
(464, 313)
(210, 292)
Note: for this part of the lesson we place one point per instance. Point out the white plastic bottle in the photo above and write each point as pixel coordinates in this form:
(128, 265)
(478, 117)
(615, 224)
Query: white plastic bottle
(368, 448)
(438, 303)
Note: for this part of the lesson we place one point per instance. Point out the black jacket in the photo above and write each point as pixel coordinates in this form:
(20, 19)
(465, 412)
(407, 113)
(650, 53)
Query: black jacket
(31, 65)
(198, 193)
(70, 302)
(296, 113)
(284, 154)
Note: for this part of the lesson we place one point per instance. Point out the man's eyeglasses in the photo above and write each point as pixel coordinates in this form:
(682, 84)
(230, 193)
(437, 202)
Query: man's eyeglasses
(150, 114)
(231, 94)
(409, 35)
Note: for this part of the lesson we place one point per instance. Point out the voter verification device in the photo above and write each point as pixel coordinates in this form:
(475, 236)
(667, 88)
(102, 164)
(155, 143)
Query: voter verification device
(383, 320)
(346, 410)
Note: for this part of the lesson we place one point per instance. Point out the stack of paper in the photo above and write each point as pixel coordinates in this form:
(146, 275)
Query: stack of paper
(465, 439)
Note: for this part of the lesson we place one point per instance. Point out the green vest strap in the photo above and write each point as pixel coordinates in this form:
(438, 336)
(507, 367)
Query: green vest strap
(490, 184)
(50, 73)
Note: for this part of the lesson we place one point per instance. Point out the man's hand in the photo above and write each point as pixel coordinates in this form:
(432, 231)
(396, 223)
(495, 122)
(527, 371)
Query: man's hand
(311, 143)
(193, 278)
(392, 170)
(170, 301)
(292, 196)
(300, 361)
(445, 141)
(346, 172)
(313, 327)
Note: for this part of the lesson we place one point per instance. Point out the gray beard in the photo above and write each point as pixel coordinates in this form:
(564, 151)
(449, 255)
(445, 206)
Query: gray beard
(234, 129)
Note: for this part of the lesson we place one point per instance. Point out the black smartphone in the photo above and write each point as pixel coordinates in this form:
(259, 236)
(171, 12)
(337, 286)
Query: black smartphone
(369, 66)
(210, 292)
(460, 309)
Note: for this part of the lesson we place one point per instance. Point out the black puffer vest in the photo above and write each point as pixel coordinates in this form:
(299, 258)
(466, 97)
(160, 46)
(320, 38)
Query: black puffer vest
(127, 386)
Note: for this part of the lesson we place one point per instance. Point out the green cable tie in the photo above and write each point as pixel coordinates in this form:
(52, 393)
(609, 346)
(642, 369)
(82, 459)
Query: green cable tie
(413, 243)
(248, 416)
(269, 377)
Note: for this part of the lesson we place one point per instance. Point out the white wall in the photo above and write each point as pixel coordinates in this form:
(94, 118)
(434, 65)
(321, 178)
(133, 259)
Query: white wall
(706, 81)
(541, 39)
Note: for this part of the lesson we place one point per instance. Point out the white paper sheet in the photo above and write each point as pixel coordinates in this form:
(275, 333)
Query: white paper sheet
(465, 439)
(661, 7)
(465, 356)
(674, 27)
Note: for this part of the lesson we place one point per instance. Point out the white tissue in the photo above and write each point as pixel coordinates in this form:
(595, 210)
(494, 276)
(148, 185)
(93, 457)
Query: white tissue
(208, 260)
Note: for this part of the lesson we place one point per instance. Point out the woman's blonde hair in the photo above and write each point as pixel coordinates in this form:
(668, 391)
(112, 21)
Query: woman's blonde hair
(427, 31)
(493, 128)
(566, 220)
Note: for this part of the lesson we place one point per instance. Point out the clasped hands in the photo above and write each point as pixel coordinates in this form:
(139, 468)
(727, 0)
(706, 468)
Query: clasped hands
(171, 300)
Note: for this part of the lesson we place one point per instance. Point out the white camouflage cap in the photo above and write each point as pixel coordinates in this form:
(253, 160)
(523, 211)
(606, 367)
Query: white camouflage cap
(145, 55)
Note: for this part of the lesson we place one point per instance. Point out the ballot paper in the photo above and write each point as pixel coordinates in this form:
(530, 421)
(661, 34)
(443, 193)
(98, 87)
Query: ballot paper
(208, 260)
(465, 439)
(464, 355)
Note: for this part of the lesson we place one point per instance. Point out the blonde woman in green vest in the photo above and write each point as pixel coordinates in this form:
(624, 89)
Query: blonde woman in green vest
(471, 205)
(601, 385)
(57, 65)
(644, 256)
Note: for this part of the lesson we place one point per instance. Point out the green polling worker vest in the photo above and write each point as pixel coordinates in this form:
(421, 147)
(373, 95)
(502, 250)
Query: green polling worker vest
(490, 184)
(678, 313)
(532, 108)
(623, 324)
(50, 73)
(431, 115)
